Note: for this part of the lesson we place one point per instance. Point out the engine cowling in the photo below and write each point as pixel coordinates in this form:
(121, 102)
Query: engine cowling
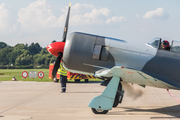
(86, 53)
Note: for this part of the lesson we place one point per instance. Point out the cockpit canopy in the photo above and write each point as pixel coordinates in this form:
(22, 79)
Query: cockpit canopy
(155, 43)
(175, 47)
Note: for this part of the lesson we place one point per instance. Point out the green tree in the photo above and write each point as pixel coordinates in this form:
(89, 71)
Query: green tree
(18, 50)
(20, 46)
(27, 60)
(22, 55)
(2, 45)
(34, 48)
(4, 54)
(18, 61)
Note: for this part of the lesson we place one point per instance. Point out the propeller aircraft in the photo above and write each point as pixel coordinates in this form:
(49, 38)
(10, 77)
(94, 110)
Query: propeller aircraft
(116, 61)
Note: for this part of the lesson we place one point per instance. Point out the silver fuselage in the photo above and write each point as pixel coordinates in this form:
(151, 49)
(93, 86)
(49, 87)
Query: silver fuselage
(87, 54)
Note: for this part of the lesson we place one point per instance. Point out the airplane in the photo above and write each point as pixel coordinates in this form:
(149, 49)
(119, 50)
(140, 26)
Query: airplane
(115, 61)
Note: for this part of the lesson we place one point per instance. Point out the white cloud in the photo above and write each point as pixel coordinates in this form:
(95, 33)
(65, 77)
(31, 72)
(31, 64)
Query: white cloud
(3, 16)
(159, 13)
(40, 22)
(137, 16)
(96, 16)
(115, 19)
(104, 11)
(89, 15)
(87, 8)
(37, 16)
(79, 8)
(5, 25)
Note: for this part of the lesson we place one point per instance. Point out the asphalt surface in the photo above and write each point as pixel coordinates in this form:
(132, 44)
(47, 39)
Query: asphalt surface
(43, 101)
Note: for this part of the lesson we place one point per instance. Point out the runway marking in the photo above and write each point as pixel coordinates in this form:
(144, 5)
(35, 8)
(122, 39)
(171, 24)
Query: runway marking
(173, 96)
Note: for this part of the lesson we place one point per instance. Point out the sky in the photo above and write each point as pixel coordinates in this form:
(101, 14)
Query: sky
(42, 21)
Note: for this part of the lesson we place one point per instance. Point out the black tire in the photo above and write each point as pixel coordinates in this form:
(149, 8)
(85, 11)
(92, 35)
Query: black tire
(120, 101)
(116, 100)
(119, 96)
(86, 80)
(77, 80)
(96, 111)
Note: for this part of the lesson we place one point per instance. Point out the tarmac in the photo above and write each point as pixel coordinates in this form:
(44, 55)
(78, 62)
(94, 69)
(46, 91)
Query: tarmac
(43, 101)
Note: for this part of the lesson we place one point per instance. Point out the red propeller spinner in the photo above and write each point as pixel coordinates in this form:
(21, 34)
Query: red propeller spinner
(55, 48)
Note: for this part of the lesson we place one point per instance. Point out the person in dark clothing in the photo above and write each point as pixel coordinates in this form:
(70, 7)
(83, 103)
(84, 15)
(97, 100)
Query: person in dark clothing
(165, 45)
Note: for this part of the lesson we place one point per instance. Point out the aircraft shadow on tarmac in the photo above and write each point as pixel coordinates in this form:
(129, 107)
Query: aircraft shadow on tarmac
(171, 110)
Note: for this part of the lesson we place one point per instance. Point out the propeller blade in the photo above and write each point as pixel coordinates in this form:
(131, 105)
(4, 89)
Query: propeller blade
(66, 25)
(57, 65)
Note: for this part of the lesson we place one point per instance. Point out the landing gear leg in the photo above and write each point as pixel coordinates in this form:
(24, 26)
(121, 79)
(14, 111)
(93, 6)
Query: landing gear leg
(101, 104)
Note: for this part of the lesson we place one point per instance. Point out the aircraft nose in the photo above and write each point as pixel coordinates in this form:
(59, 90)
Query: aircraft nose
(55, 48)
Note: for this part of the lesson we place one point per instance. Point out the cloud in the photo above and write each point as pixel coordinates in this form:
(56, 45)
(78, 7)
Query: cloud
(92, 15)
(79, 8)
(39, 15)
(115, 19)
(159, 13)
(95, 16)
(3, 16)
(137, 15)
(41, 22)
(89, 15)
(5, 25)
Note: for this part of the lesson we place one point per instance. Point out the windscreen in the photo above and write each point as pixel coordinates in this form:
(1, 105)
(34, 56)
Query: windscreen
(154, 43)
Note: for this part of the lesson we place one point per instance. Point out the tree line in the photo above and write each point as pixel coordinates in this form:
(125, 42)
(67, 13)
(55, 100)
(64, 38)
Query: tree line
(24, 56)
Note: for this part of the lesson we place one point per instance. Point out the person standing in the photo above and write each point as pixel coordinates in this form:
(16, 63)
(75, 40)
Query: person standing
(63, 77)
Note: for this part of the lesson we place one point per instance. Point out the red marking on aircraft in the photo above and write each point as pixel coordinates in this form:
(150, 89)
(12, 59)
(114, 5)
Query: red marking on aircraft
(130, 72)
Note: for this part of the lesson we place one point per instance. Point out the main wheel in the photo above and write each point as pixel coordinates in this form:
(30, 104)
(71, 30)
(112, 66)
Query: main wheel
(97, 111)
(120, 100)
(119, 96)
(116, 100)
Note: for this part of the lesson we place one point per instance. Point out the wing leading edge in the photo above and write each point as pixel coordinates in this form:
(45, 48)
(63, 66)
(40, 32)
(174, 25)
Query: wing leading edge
(133, 76)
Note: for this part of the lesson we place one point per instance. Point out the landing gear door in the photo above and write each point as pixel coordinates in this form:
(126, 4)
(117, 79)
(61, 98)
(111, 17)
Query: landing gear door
(175, 46)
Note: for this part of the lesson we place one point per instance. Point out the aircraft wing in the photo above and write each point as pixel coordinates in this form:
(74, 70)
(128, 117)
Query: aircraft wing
(132, 76)
(115, 71)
